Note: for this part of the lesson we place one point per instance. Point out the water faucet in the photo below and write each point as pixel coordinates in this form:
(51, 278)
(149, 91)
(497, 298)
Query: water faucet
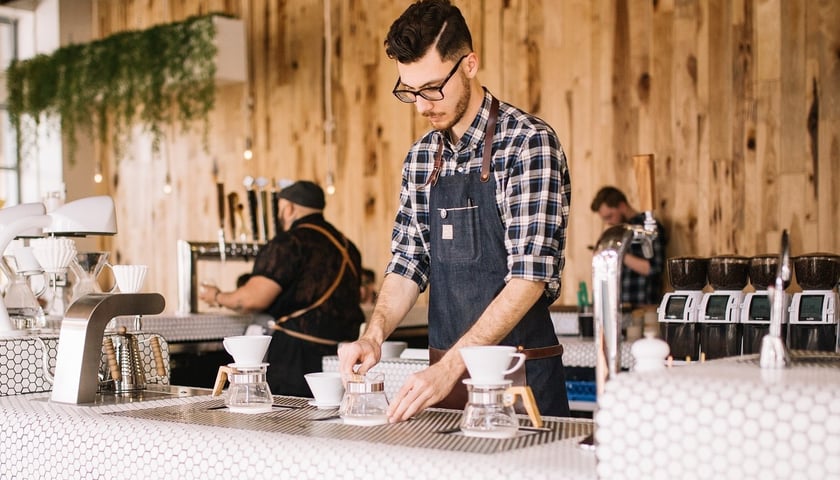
(80, 340)
(774, 353)
(189, 253)
(607, 261)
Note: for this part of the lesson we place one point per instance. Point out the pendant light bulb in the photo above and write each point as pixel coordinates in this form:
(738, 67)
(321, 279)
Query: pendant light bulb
(97, 173)
(248, 153)
(167, 185)
(330, 184)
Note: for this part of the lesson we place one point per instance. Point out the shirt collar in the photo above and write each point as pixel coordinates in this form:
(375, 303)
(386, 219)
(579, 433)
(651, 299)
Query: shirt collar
(475, 133)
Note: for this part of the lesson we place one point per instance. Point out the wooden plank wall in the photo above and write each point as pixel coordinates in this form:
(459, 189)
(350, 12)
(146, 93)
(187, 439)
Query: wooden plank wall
(739, 101)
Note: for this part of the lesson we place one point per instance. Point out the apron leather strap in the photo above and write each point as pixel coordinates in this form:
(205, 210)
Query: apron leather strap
(488, 140)
(304, 336)
(344, 263)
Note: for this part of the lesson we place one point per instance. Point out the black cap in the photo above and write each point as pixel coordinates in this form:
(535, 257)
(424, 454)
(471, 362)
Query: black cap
(305, 194)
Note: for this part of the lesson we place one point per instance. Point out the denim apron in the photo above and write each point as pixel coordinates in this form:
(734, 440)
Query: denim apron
(468, 269)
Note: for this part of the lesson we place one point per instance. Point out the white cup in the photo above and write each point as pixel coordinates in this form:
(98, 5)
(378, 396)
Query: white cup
(128, 278)
(247, 350)
(327, 387)
(393, 349)
(489, 364)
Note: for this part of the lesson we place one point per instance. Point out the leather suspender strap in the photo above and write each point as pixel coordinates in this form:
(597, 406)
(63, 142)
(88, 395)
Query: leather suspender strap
(345, 262)
(488, 140)
(304, 336)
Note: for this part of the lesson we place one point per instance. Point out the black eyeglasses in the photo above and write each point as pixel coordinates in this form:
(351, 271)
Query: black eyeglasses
(432, 94)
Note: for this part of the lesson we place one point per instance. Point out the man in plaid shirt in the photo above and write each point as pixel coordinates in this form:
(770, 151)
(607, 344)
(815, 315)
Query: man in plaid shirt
(641, 278)
(484, 204)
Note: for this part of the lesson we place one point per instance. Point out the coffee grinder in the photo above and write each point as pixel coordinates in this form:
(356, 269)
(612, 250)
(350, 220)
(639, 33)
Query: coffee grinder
(813, 311)
(678, 311)
(720, 328)
(755, 311)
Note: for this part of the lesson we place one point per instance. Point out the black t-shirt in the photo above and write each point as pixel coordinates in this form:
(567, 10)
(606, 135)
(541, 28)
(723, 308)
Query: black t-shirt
(305, 263)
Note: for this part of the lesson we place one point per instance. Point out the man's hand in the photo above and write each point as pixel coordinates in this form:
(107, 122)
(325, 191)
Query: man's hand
(363, 352)
(422, 390)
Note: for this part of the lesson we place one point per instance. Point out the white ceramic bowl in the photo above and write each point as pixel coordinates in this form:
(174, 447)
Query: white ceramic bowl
(393, 349)
(247, 349)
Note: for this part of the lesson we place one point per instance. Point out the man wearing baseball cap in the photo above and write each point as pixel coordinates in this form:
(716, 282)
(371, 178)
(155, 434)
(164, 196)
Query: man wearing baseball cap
(307, 279)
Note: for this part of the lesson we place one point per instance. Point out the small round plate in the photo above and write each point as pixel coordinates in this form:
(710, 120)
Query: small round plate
(323, 406)
(365, 420)
(470, 381)
(254, 409)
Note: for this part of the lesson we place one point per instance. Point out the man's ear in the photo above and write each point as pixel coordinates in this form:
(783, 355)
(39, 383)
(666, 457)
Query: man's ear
(472, 64)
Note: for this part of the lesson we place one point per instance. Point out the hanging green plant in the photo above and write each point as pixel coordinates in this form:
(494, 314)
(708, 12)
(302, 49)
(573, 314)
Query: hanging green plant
(155, 77)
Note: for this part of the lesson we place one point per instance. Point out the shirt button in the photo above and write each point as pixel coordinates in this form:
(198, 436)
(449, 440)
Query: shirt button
(442, 213)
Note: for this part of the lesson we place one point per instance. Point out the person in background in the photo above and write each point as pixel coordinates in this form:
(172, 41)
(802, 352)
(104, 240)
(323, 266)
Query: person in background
(484, 203)
(308, 279)
(641, 278)
(368, 287)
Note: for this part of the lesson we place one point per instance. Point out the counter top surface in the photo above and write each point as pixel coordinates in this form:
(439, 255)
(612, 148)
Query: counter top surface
(43, 439)
(723, 419)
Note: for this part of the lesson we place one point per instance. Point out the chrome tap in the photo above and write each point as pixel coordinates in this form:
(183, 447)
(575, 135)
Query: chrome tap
(80, 340)
(774, 353)
(189, 253)
(607, 261)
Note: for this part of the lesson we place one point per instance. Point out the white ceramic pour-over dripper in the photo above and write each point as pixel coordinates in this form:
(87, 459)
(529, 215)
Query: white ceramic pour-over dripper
(128, 278)
(247, 350)
(54, 254)
(488, 364)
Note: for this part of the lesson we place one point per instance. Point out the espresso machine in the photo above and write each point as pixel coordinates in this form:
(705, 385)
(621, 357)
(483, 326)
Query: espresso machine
(678, 313)
(813, 311)
(756, 308)
(721, 332)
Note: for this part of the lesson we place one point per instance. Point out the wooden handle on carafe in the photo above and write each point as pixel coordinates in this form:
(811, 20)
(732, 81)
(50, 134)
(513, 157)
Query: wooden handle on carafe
(111, 358)
(528, 400)
(643, 166)
(160, 368)
(221, 378)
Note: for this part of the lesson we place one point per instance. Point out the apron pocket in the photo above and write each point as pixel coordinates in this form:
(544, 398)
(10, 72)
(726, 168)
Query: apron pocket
(456, 235)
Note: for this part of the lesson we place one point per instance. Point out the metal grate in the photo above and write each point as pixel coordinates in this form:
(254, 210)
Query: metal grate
(300, 419)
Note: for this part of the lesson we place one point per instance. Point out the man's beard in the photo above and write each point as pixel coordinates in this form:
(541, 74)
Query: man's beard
(461, 106)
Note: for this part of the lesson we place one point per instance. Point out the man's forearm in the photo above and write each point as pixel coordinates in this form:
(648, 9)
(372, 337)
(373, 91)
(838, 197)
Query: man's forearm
(396, 297)
(503, 313)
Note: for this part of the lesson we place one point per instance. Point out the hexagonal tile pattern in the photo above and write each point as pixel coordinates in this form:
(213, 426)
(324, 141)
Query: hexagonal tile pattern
(723, 419)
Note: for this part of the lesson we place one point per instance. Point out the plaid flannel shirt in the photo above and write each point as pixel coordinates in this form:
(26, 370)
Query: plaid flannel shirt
(637, 289)
(533, 193)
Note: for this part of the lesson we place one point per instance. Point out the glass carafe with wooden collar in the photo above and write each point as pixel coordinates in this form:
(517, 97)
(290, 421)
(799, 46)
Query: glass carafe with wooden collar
(489, 411)
(249, 391)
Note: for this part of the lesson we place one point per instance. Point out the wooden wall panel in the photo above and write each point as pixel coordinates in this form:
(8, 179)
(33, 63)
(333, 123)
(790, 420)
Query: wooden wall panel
(739, 101)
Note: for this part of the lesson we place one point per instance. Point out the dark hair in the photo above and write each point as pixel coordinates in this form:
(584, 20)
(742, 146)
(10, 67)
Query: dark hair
(425, 24)
(612, 196)
(368, 277)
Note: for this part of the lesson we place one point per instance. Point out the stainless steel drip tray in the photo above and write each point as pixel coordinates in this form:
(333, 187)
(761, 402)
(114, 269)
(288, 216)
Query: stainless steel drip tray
(151, 392)
(426, 430)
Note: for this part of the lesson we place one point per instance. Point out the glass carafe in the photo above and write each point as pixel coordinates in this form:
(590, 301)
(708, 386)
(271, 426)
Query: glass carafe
(486, 414)
(364, 402)
(490, 413)
(86, 267)
(21, 302)
(249, 391)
